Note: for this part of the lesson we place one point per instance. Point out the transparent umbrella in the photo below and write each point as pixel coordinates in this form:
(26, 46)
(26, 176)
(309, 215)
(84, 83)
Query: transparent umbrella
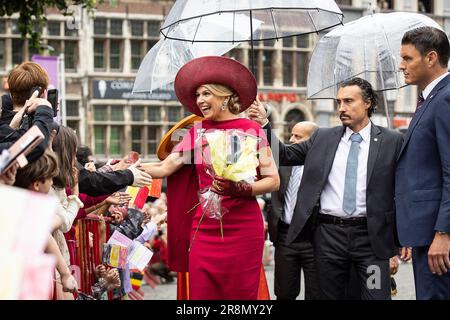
(189, 20)
(368, 48)
(161, 64)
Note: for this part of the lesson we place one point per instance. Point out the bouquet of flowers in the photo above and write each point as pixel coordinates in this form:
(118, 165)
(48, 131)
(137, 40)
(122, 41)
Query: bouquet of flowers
(230, 154)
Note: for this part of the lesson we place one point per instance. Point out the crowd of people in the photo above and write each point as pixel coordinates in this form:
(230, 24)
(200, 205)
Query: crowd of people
(346, 202)
(59, 167)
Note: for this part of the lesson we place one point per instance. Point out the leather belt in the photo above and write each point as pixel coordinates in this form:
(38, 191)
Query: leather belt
(325, 218)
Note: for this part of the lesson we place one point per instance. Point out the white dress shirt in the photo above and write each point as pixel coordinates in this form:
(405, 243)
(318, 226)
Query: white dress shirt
(288, 211)
(431, 85)
(332, 196)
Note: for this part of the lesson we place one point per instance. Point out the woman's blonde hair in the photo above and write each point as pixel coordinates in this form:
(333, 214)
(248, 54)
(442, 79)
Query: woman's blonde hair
(223, 91)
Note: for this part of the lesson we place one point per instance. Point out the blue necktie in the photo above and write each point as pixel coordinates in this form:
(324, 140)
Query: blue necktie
(290, 198)
(351, 173)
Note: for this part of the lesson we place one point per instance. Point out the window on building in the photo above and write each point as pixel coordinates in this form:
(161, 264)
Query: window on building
(2, 54)
(100, 113)
(174, 114)
(117, 113)
(267, 67)
(425, 6)
(99, 51)
(116, 27)
(99, 140)
(136, 54)
(115, 141)
(136, 139)
(17, 51)
(54, 28)
(302, 68)
(137, 113)
(109, 124)
(288, 42)
(2, 26)
(153, 28)
(137, 28)
(70, 54)
(269, 42)
(14, 27)
(115, 54)
(100, 26)
(54, 47)
(186, 113)
(303, 41)
(151, 43)
(288, 67)
(108, 52)
(152, 140)
(154, 113)
(72, 108)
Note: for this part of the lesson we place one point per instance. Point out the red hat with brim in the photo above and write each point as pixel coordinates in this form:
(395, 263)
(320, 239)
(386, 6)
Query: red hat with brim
(214, 70)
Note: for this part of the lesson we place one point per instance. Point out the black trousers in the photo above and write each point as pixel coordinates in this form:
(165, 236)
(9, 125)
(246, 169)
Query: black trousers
(289, 261)
(338, 248)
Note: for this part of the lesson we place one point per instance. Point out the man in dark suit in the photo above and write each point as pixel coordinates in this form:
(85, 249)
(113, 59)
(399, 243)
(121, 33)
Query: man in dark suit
(347, 190)
(291, 258)
(422, 186)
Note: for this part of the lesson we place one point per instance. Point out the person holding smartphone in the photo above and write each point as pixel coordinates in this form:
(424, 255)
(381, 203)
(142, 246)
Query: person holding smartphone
(21, 80)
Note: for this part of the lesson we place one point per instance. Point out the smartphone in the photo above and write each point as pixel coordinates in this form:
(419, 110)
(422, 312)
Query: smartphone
(22, 147)
(52, 97)
(39, 89)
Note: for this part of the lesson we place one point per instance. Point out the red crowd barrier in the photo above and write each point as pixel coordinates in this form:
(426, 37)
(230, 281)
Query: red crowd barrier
(90, 235)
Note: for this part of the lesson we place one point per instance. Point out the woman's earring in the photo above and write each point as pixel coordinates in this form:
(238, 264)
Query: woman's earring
(224, 105)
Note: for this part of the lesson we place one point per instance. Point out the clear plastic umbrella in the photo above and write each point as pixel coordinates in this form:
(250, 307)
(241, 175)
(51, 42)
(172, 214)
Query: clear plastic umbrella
(368, 47)
(188, 20)
(161, 64)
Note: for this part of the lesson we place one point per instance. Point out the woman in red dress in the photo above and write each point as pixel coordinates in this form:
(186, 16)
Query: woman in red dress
(223, 257)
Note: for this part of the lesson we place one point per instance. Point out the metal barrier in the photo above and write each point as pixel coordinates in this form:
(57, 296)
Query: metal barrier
(90, 235)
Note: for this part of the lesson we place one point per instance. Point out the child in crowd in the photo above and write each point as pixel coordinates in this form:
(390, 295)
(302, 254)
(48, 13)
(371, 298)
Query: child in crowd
(38, 176)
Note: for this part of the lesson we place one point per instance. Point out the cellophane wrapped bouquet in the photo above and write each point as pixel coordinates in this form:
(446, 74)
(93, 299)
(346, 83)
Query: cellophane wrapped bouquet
(231, 154)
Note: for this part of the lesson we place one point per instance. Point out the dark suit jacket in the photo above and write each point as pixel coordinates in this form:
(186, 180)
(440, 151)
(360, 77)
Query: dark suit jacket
(102, 183)
(277, 204)
(423, 171)
(317, 154)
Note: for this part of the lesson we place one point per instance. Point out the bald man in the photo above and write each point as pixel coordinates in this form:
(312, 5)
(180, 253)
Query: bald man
(291, 259)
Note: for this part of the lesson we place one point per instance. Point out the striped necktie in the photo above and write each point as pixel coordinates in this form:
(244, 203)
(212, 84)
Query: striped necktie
(420, 101)
(290, 198)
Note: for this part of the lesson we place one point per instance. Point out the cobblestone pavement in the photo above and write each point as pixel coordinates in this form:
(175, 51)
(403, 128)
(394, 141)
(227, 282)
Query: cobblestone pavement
(404, 279)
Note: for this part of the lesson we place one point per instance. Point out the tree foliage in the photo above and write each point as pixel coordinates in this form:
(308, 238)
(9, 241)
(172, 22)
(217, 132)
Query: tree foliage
(32, 14)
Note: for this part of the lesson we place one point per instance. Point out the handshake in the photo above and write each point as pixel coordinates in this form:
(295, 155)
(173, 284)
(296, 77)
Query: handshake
(141, 178)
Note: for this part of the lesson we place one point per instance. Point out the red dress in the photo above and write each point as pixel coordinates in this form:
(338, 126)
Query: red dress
(227, 268)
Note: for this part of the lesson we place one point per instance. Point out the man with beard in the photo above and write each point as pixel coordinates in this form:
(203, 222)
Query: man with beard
(347, 194)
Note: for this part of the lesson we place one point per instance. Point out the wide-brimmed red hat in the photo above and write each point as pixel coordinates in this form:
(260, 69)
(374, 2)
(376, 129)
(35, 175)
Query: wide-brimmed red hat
(214, 70)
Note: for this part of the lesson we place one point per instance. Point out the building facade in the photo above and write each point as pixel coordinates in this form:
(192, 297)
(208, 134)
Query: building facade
(102, 52)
